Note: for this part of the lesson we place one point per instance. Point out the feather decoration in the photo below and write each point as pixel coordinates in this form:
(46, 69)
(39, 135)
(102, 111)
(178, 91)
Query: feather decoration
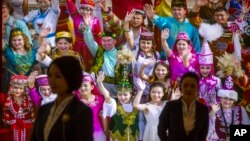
(125, 56)
(228, 60)
(211, 32)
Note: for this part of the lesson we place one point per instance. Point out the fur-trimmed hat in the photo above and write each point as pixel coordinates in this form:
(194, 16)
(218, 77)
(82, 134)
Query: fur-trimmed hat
(228, 93)
(209, 32)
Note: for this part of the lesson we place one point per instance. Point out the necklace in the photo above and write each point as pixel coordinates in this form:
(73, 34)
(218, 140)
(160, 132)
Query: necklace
(225, 122)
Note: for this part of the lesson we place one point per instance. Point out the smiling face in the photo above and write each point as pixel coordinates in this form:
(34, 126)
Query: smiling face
(86, 11)
(124, 97)
(161, 72)
(17, 42)
(227, 102)
(183, 47)
(86, 88)
(205, 70)
(108, 42)
(156, 94)
(63, 45)
(146, 45)
(44, 4)
(221, 17)
(45, 90)
(17, 90)
(57, 81)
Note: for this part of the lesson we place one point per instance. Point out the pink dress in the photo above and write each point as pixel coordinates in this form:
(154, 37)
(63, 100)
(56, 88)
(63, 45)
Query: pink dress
(79, 44)
(177, 67)
(96, 107)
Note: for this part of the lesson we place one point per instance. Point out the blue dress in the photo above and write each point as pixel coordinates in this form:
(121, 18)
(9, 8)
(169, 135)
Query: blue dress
(17, 64)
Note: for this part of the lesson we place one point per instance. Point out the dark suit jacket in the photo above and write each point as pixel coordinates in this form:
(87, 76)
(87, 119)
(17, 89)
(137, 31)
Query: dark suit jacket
(171, 120)
(79, 126)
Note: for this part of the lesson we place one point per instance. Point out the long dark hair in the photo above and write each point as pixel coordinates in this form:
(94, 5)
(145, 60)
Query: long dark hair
(71, 69)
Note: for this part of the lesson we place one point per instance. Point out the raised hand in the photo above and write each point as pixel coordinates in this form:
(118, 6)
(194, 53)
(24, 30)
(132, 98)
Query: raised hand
(103, 5)
(32, 78)
(149, 11)
(148, 62)
(244, 7)
(201, 3)
(88, 20)
(129, 16)
(140, 84)
(176, 94)
(42, 50)
(215, 107)
(165, 34)
(45, 32)
(100, 77)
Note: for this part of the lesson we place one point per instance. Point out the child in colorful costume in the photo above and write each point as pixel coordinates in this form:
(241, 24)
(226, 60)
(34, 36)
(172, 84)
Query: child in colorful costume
(225, 114)
(124, 117)
(209, 83)
(91, 96)
(152, 109)
(18, 109)
(79, 14)
(46, 16)
(39, 89)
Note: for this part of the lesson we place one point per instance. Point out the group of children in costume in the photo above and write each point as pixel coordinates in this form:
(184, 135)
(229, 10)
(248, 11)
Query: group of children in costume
(114, 60)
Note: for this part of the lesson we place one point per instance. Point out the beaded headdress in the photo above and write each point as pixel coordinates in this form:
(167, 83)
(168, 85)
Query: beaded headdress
(19, 80)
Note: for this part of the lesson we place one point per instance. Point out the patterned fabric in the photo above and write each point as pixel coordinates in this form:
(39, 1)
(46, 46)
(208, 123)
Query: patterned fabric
(96, 107)
(124, 125)
(57, 54)
(97, 66)
(20, 117)
(177, 67)
(116, 26)
(48, 18)
(220, 127)
(17, 64)
(79, 45)
(208, 89)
